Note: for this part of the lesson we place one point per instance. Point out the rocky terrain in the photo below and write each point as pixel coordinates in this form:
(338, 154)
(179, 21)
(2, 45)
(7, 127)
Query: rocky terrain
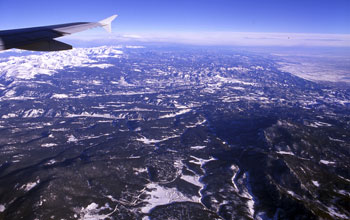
(169, 133)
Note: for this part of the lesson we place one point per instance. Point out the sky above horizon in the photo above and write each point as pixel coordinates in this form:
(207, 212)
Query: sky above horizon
(186, 19)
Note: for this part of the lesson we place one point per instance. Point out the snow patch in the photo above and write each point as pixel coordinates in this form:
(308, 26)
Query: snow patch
(59, 129)
(200, 161)
(91, 212)
(160, 195)
(184, 111)
(196, 124)
(235, 170)
(91, 115)
(153, 141)
(101, 66)
(326, 162)
(49, 145)
(336, 140)
(315, 183)
(52, 161)
(195, 180)
(30, 185)
(333, 211)
(198, 147)
(9, 115)
(139, 170)
(71, 139)
(59, 96)
(285, 152)
(319, 124)
(343, 192)
(33, 113)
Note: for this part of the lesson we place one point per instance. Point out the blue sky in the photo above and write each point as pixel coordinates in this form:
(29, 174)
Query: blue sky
(147, 17)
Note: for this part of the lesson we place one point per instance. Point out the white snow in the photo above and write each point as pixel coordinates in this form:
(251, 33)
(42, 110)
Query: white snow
(258, 67)
(333, 211)
(200, 161)
(326, 162)
(9, 115)
(52, 161)
(345, 193)
(246, 192)
(101, 66)
(196, 124)
(153, 141)
(122, 82)
(198, 147)
(242, 187)
(139, 170)
(10, 93)
(192, 179)
(33, 113)
(179, 106)
(184, 111)
(60, 129)
(17, 98)
(105, 121)
(112, 198)
(71, 138)
(336, 140)
(96, 82)
(49, 145)
(59, 96)
(317, 124)
(30, 185)
(160, 195)
(315, 183)
(2, 208)
(91, 115)
(88, 137)
(285, 152)
(235, 169)
(196, 178)
(238, 88)
(291, 193)
(91, 212)
(28, 66)
(239, 68)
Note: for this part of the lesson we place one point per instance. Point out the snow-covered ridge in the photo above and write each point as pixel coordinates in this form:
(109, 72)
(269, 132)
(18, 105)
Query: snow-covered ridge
(27, 66)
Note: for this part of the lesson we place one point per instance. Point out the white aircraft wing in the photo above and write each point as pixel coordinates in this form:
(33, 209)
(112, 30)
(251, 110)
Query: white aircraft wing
(42, 38)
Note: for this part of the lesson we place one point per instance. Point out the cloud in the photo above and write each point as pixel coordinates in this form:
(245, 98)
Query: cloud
(252, 39)
(233, 38)
(132, 36)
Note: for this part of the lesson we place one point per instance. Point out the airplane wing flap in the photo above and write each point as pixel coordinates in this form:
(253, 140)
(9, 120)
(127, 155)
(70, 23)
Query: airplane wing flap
(20, 39)
(47, 45)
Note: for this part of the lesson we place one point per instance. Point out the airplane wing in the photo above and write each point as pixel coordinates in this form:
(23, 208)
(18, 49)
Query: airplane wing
(42, 38)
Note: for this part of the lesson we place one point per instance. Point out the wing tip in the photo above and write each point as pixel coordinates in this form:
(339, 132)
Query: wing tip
(107, 23)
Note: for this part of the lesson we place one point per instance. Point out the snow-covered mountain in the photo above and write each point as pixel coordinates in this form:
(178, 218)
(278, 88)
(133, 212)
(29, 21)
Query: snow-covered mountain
(159, 133)
(28, 66)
